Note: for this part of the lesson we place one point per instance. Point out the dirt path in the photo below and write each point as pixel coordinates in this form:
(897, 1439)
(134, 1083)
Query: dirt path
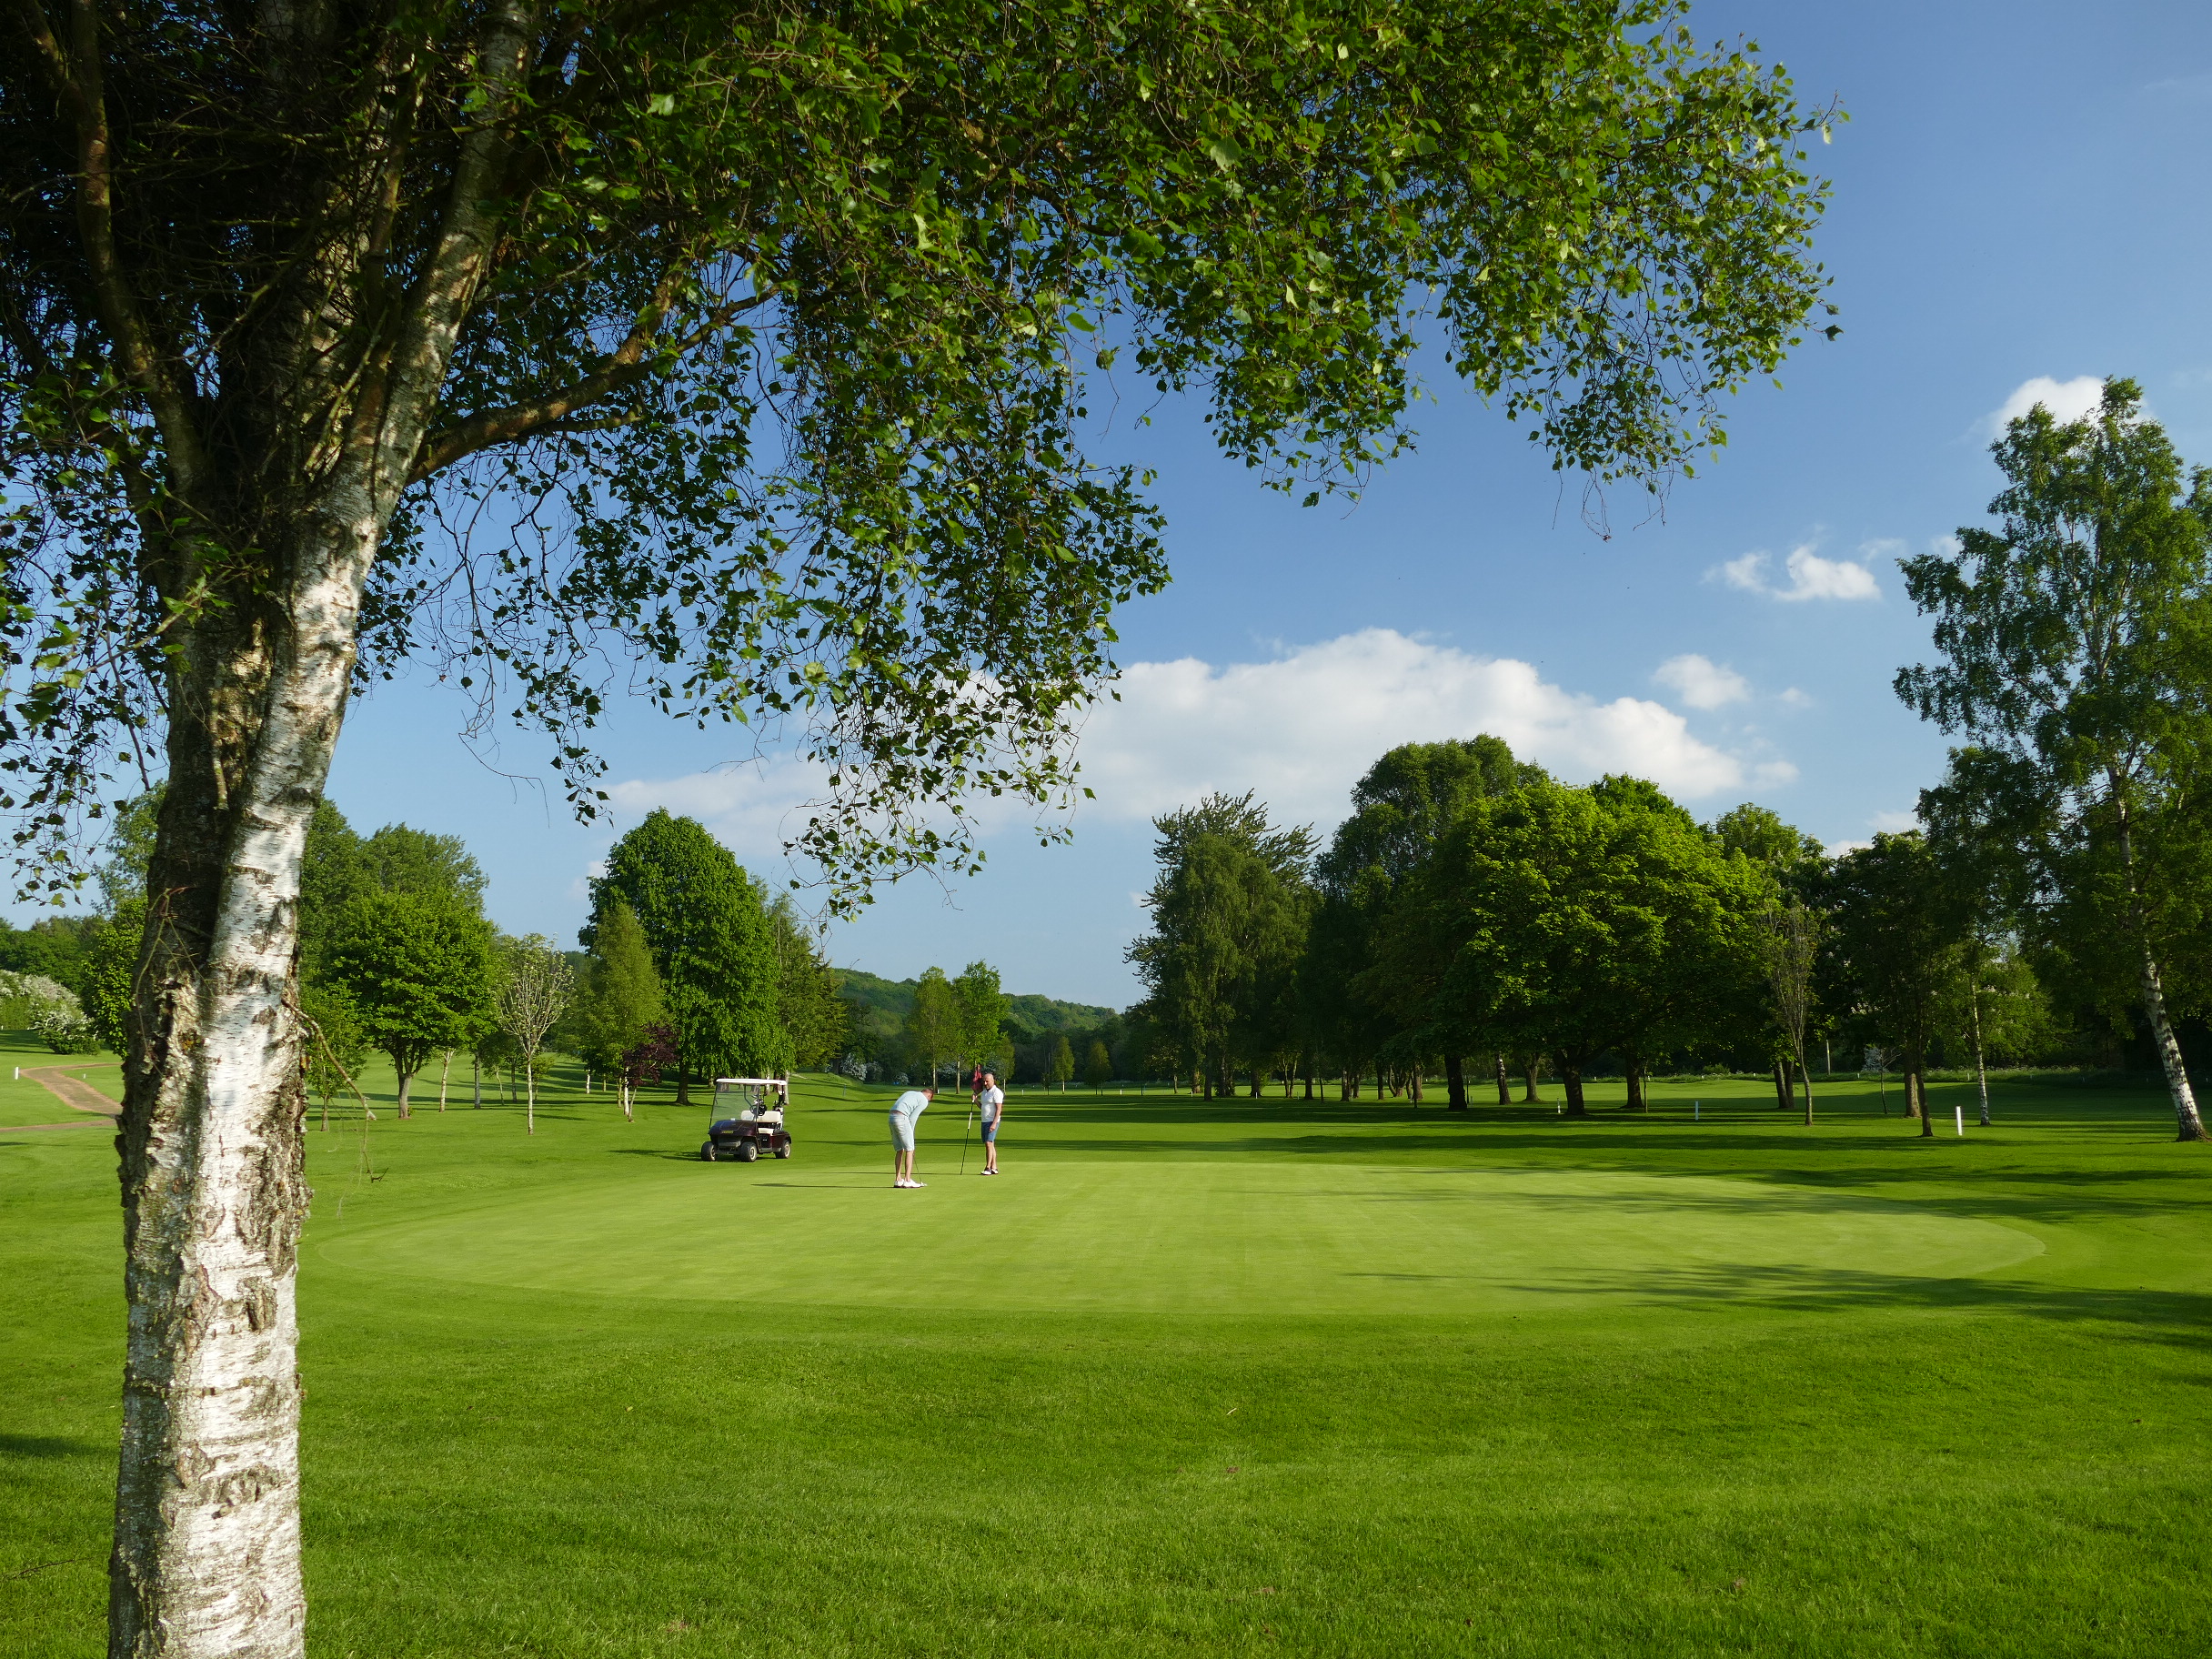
(25, 1128)
(72, 1092)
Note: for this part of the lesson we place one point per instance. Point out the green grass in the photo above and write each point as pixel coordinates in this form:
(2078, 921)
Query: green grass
(1199, 1378)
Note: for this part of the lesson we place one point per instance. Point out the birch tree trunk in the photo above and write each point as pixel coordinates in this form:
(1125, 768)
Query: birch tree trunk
(1981, 1071)
(2190, 1126)
(1506, 1083)
(206, 1560)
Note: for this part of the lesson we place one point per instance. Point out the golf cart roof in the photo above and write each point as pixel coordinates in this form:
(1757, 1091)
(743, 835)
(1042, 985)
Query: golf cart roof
(757, 1082)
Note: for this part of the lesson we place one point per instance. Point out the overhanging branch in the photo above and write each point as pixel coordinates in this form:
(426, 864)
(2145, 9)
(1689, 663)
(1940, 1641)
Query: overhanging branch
(624, 366)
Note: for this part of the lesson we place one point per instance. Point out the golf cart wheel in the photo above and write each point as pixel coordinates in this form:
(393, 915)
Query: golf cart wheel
(784, 1150)
(706, 1152)
(748, 1151)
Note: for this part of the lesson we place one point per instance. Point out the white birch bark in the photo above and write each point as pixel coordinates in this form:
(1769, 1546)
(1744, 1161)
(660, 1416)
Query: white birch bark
(2188, 1125)
(1981, 1071)
(206, 1560)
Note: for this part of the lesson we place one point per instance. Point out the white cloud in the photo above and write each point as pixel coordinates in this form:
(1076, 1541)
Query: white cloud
(751, 809)
(1794, 698)
(1749, 573)
(1811, 576)
(2066, 399)
(1302, 728)
(1836, 850)
(1701, 682)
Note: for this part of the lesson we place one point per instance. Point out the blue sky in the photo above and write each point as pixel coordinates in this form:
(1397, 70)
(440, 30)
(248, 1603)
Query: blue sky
(2019, 198)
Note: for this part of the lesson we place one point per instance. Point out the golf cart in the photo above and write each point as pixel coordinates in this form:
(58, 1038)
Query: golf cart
(747, 1120)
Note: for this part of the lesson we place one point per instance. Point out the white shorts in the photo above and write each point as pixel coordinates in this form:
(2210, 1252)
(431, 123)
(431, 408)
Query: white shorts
(903, 1132)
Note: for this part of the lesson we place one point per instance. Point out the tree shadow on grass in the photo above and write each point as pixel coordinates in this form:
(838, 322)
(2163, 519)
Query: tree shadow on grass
(2178, 1318)
(1952, 1179)
(46, 1446)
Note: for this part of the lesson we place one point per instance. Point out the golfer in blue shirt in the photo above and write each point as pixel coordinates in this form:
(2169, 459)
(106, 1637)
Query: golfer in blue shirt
(906, 1112)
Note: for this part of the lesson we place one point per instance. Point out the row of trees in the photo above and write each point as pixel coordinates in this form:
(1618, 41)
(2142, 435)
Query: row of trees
(896, 1030)
(1473, 908)
(689, 968)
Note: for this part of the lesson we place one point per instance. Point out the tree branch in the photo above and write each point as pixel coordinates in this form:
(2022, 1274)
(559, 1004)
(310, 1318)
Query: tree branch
(627, 365)
(78, 82)
(468, 242)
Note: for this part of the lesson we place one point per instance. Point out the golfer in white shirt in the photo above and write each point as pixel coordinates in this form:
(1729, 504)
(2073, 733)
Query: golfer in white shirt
(991, 1106)
(906, 1112)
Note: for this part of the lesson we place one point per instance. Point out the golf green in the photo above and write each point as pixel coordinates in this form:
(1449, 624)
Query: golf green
(1247, 1238)
(1196, 1377)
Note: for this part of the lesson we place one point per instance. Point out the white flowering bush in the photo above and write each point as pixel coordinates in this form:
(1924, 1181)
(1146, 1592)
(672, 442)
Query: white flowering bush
(33, 1002)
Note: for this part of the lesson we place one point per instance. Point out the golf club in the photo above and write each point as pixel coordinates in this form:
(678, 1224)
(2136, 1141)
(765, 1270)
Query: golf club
(964, 1134)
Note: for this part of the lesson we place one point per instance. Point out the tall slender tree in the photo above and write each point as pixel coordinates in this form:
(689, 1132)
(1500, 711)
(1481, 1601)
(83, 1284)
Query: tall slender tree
(1788, 941)
(2077, 639)
(620, 997)
(814, 1016)
(933, 1023)
(535, 984)
(1098, 1065)
(982, 1009)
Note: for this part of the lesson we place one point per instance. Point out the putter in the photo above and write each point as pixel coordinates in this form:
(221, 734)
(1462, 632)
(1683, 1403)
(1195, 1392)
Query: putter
(964, 1134)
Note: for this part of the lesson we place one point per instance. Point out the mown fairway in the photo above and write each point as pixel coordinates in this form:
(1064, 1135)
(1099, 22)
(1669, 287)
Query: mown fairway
(1244, 1377)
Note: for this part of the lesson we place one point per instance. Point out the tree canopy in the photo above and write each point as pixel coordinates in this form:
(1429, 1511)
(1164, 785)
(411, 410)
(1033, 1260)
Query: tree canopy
(1568, 921)
(1230, 908)
(418, 973)
(812, 305)
(712, 943)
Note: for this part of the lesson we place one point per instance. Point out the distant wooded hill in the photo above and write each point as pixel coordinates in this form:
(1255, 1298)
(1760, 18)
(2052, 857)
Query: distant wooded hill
(892, 999)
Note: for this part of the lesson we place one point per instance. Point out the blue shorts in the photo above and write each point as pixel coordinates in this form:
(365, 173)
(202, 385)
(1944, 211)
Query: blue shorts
(991, 1132)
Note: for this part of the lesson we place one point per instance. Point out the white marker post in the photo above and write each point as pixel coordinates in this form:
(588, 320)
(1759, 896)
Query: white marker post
(1697, 1111)
(1960, 1112)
